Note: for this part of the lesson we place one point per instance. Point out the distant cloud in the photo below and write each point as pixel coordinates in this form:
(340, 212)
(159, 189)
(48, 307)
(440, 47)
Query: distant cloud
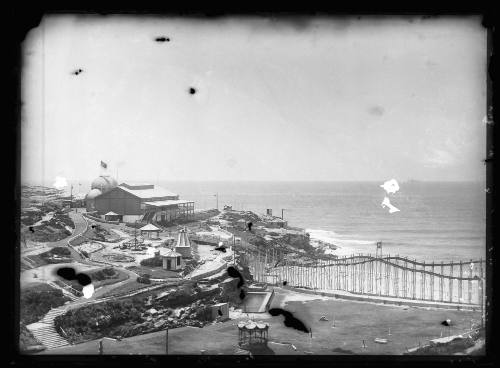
(376, 110)
(439, 158)
(231, 163)
(430, 64)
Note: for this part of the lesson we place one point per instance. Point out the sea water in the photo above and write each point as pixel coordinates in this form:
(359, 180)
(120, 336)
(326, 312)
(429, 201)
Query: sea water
(437, 221)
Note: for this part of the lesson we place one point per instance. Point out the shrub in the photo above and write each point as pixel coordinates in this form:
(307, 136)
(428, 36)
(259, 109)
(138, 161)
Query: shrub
(103, 274)
(104, 319)
(143, 280)
(60, 251)
(156, 261)
(35, 304)
(109, 271)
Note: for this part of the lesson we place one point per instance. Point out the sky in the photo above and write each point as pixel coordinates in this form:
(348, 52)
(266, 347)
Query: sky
(341, 99)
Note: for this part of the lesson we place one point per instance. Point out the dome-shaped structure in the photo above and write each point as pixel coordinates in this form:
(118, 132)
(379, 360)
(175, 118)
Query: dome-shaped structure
(104, 183)
(93, 193)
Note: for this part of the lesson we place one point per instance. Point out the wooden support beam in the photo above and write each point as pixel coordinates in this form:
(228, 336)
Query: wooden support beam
(470, 282)
(414, 280)
(450, 282)
(422, 293)
(441, 282)
(432, 281)
(460, 282)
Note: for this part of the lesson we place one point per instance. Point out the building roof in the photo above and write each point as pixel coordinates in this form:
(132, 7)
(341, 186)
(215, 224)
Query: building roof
(183, 240)
(150, 227)
(167, 252)
(169, 202)
(155, 192)
(104, 183)
(110, 213)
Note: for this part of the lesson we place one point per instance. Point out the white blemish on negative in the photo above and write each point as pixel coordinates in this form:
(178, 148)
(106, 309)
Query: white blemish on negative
(60, 182)
(390, 186)
(88, 291)
(387, 203)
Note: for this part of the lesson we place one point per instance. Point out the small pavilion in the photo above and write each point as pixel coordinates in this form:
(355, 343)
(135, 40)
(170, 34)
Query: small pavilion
(253, 333)
(149, 229)
(172, 260)
(111, 216)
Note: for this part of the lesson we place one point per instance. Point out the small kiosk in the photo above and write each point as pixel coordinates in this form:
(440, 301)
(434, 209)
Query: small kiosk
(150, 229)
(253, 333)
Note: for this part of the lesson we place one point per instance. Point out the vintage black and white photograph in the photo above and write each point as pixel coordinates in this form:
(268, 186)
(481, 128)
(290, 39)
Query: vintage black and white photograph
(254, 185)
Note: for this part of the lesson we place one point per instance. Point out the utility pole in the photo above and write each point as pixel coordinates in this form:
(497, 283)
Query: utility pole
(217, 200)
(135, 235)
(234, 250)
(166, 343)
(282, 213)
(71, 196)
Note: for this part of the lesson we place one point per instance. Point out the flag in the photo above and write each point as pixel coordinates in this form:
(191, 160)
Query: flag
(104, 165)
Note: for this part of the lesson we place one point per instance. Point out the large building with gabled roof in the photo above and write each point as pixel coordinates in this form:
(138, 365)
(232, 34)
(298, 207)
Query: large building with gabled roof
(142, 202)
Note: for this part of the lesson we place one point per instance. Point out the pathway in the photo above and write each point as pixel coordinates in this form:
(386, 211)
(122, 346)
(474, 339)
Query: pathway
(45, 332)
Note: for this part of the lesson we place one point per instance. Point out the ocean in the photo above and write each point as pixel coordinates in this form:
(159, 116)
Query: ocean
(437, 221)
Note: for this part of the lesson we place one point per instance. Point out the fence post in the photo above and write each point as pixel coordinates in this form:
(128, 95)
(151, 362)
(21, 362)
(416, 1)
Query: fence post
(396, 281)
(432, 282)
(460, 296)
(451, 282)
(414, 280)
(423, 286)
(470, 282)
(481, 293)
(344, 273)
(387, 275)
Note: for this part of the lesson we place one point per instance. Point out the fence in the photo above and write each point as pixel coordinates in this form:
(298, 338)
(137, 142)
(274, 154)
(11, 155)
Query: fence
(399, 277)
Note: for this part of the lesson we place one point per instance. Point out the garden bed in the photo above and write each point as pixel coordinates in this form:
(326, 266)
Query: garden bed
(117, 257)
(154, 272)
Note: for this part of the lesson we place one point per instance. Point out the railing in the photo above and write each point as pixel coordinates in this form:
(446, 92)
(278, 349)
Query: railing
(390, 276)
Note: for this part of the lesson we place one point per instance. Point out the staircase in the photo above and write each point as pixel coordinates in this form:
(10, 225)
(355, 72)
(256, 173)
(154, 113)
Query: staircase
(45, 332)
(28, 262)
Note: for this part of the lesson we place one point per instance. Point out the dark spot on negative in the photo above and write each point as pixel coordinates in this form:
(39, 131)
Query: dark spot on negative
(68, 273)
(78, 71)
(233, 272)
(446, 322)
(162, 39)
(192, 90)
(83, 279)
(290, 320)
(284, 283)
(32, 229)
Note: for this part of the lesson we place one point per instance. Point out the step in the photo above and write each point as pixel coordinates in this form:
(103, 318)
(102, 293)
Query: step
(50, 346)
(55, 313)
(49, 338)
(44, 340)
(51, 341)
